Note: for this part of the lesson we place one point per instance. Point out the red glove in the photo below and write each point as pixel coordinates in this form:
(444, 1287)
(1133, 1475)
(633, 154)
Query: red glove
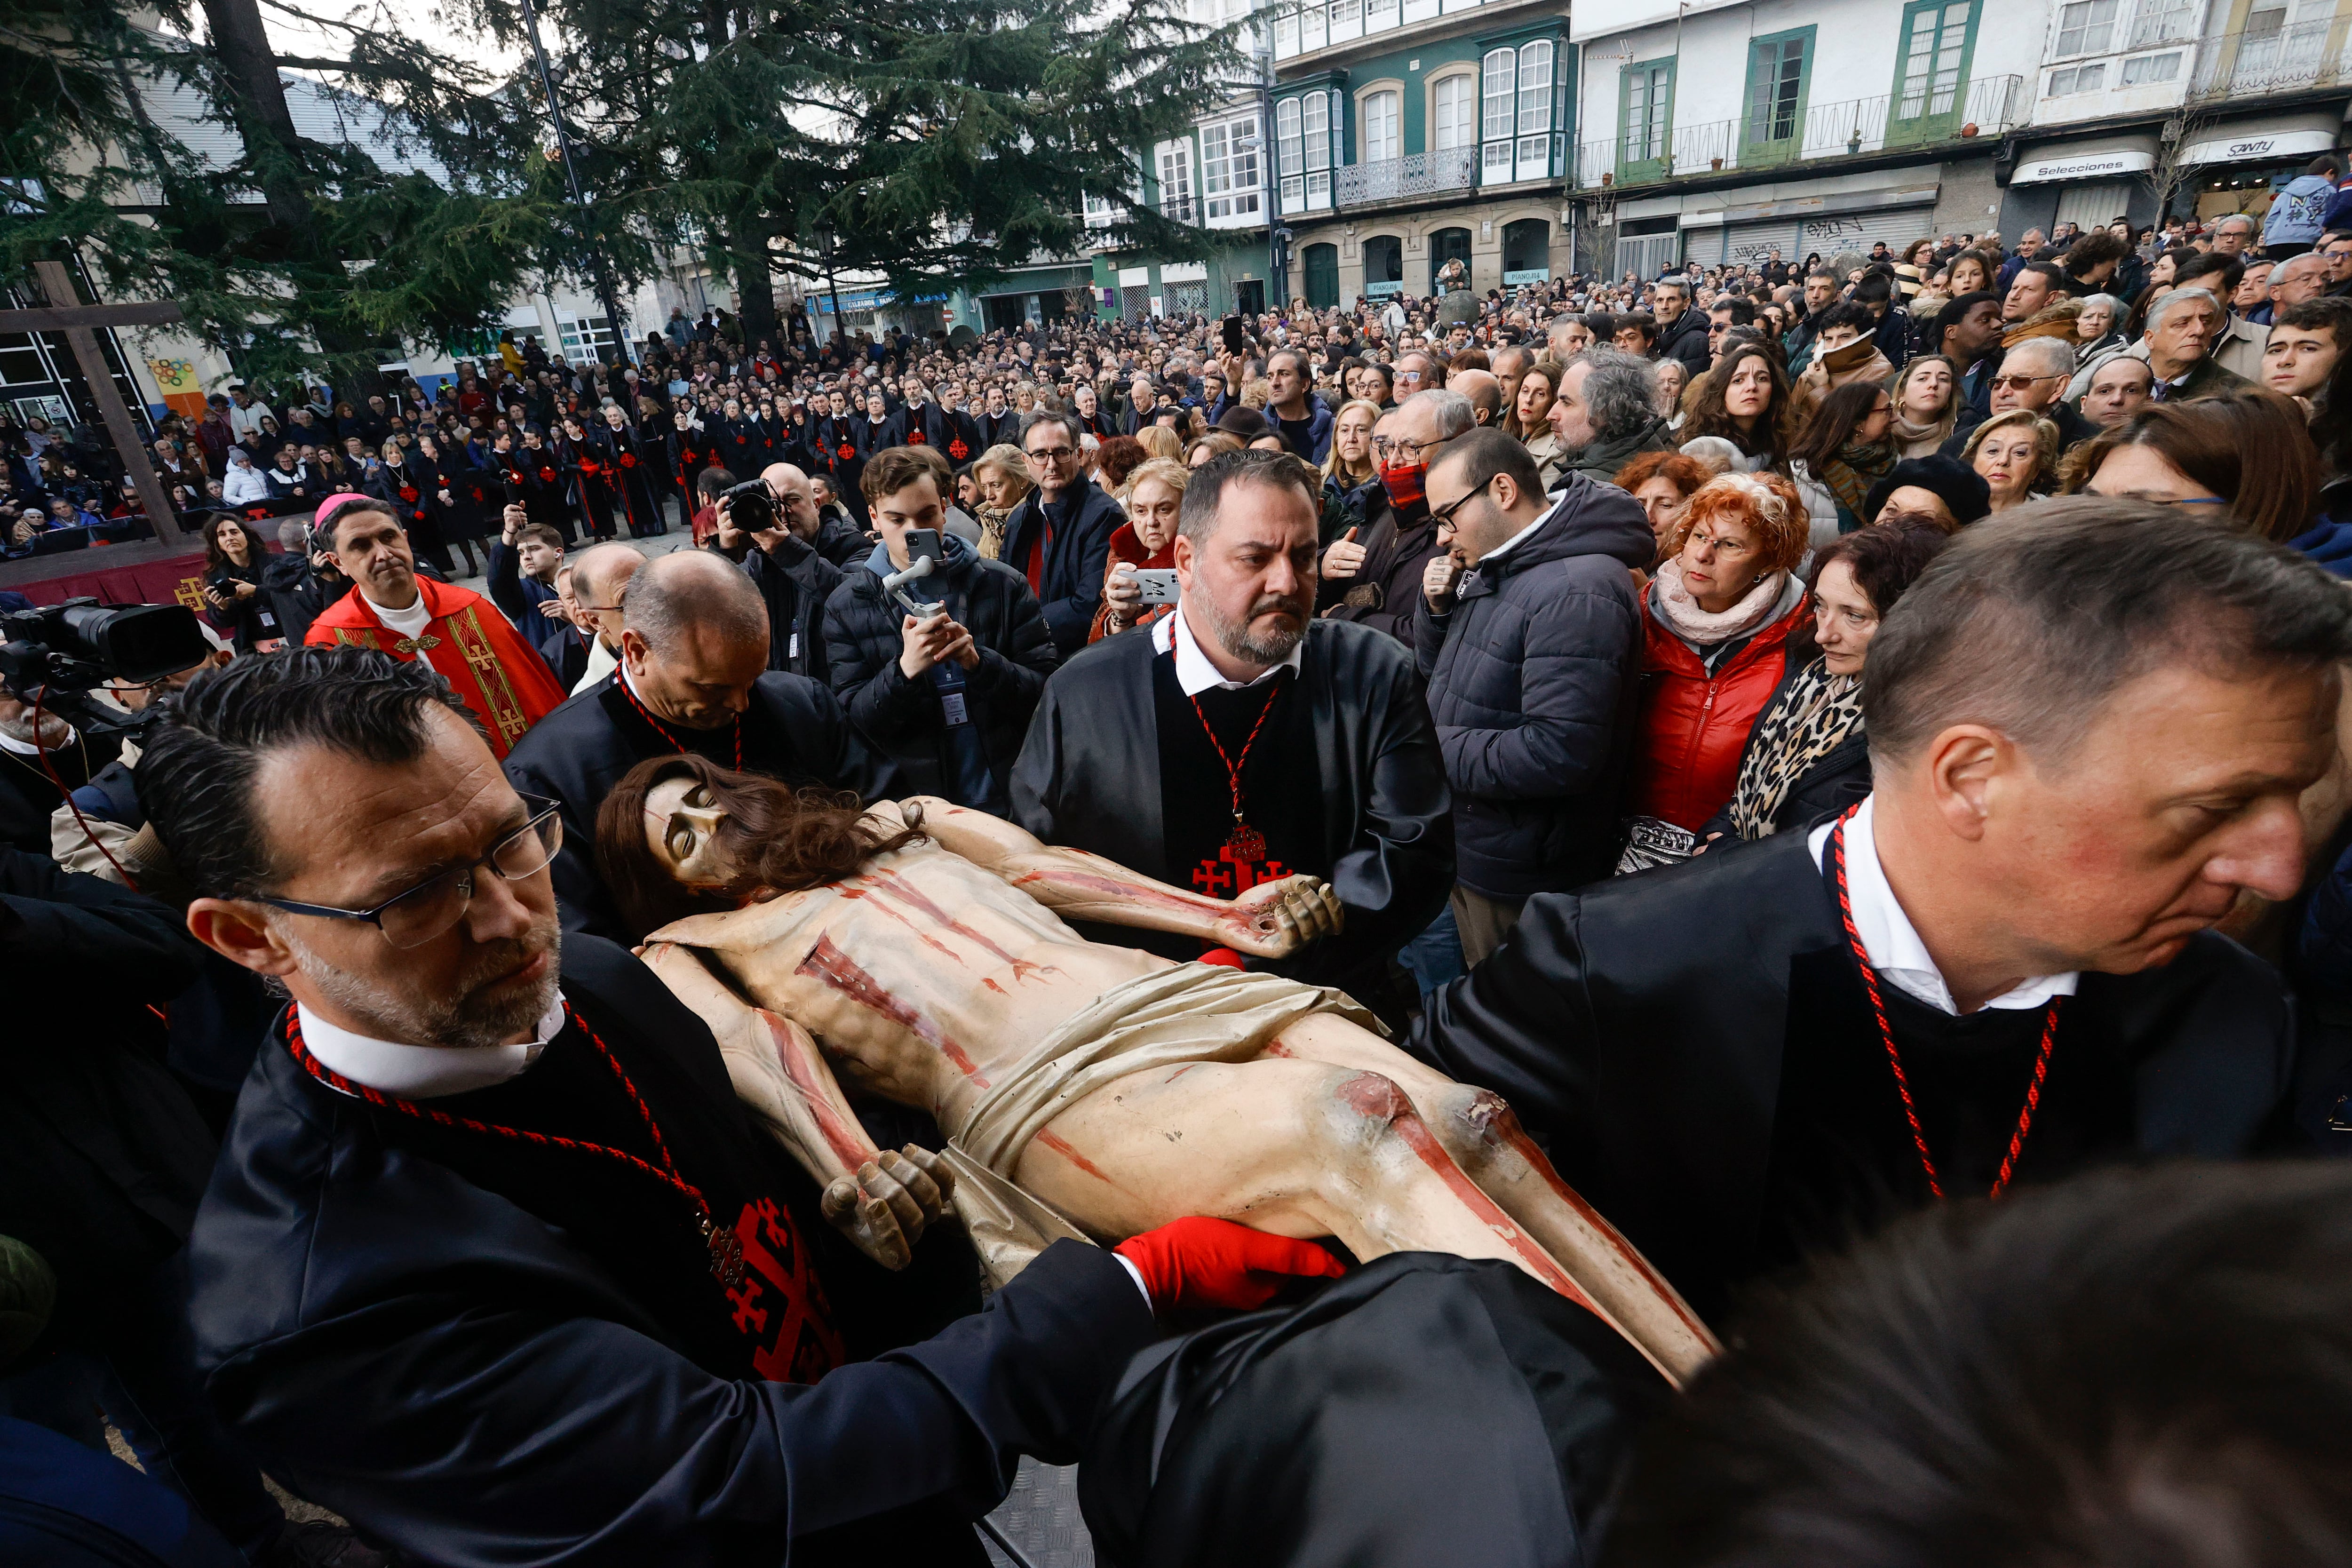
(1201, 1262)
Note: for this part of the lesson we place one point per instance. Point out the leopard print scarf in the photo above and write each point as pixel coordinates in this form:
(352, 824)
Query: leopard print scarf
(1811, 719)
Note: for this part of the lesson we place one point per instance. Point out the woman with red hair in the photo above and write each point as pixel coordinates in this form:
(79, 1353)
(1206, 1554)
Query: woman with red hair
(1726, 615)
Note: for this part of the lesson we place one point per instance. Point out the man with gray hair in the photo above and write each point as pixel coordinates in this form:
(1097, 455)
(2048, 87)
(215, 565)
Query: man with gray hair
(1245, 738)
(693, 677)
(2090, 723)
(2033, 376)
(1605, 415)
(2182, 329)
(1059, 538)
(1375, 580)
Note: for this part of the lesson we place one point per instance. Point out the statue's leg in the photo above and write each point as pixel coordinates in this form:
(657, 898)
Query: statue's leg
(1296, 1148)
(1477, 1128)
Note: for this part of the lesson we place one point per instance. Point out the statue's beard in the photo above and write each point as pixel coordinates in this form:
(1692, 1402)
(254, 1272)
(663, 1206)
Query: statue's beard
(467, 1020)
(1240, 642)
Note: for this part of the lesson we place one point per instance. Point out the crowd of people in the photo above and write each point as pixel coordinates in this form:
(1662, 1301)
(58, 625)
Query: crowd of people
(1740, 733)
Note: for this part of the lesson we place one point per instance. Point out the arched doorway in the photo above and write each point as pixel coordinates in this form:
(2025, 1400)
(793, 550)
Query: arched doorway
(1527, 251)
(1384, 266)
(1447, 245)
(1322, 262)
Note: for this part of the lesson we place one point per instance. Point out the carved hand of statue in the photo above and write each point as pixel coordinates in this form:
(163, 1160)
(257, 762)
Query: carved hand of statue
(1275, 920)
(891, 1202)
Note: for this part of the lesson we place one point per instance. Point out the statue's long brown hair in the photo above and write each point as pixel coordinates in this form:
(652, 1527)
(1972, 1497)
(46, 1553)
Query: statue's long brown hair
(778, 839)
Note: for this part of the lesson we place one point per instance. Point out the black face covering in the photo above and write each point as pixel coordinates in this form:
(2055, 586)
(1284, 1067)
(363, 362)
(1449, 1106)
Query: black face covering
(1425, 1412)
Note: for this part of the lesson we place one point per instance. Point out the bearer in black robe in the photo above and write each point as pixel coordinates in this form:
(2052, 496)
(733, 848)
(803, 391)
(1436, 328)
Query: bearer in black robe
(696, 626)
(494, 1264)
(537, 475)
(2089, 729)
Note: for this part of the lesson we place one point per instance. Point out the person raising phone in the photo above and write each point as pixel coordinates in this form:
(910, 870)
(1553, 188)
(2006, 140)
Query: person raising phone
(1143, 550)
(947, 694)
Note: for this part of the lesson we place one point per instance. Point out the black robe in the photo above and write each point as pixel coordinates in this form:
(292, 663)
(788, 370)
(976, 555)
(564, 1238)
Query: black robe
(1694, 1045)
(28, 798)
(795, 731)
(1425, 1412)
(1088, 778)
(528, 1401)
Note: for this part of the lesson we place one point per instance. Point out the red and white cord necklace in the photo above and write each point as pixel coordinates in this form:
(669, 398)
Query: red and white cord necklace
(1894, 1057)
(622, 680)
(1248, 843)
(726, 1249)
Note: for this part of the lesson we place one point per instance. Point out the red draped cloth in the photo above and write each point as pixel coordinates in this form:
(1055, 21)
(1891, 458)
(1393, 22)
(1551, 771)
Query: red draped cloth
(497, 675)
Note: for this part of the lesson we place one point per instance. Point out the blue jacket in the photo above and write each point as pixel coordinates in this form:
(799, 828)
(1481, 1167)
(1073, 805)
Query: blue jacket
(2299, 213)
(1319, 429)
(2339, 210)
(1532, 681)
(2329, 544)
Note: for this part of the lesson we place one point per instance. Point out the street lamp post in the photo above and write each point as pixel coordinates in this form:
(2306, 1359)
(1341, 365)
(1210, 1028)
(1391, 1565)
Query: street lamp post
(547, 81)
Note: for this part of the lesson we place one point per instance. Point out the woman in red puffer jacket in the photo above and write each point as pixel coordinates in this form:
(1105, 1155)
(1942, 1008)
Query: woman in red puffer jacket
(1724, 617)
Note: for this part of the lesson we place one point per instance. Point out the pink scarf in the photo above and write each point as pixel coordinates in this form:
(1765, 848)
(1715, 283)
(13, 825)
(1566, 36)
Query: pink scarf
(1681, 612)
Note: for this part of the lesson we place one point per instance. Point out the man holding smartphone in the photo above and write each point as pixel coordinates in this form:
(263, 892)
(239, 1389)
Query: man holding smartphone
(943, 671)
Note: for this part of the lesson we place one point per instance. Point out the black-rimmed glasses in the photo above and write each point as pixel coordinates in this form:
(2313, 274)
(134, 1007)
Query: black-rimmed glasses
(415, 917)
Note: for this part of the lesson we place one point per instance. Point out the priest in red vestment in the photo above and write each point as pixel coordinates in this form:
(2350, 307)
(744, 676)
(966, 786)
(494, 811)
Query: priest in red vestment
(458, 632)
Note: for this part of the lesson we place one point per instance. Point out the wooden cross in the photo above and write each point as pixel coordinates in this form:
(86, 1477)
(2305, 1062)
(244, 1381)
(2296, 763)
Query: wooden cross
(67, 314)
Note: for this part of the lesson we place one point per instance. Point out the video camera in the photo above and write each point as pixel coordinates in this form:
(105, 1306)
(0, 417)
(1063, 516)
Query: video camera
(56, 653)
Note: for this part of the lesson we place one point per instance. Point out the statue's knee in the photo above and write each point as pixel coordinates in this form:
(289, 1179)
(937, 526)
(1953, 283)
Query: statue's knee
(1360, 1109)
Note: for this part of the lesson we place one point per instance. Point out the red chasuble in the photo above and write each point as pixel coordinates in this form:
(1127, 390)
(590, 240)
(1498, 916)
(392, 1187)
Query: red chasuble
(501, 678)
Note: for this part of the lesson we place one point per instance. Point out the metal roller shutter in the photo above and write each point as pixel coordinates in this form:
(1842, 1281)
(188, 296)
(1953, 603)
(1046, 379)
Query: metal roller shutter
(1752, 242)
(1858, 232)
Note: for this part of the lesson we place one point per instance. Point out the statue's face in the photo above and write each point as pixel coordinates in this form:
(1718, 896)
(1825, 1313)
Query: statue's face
(682, 822)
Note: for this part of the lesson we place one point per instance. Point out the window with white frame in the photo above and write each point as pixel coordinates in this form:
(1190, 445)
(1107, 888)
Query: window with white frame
(1101, 212)
(2086, 27)
(1176, 181)
(1453, 107)
(1516, 116)
(1383, 121)
(2072, 80)
(2162, 21)
(1302, 128)
(1229, 168)
(2152, 67)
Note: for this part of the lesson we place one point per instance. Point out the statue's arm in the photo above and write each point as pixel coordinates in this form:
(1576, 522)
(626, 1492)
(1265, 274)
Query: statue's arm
(1273, 919)
(882, 1200)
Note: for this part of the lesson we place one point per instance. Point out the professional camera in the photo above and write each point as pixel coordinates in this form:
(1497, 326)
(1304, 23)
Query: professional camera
(56, 653)
(750, 507)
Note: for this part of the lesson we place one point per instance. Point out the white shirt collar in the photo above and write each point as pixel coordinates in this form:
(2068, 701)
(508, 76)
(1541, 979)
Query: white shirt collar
(422, 1072)
(1194, 673)
(1892, 942)
(410, 622)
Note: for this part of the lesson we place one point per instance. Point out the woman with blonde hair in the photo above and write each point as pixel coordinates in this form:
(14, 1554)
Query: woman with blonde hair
(1215, 444)
(1003, 474)
(2016, 455)
(1927, 405)
(1146, 542)
(1159, 443)
(1352, 496)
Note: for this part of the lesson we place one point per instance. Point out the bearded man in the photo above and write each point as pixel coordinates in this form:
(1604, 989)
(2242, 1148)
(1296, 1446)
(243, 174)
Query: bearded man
(1245, 740)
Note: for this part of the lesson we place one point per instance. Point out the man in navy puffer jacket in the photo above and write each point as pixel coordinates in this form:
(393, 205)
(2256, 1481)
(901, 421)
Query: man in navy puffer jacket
(1530, 635)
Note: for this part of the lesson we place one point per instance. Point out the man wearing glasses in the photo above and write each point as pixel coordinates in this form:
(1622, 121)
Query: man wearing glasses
(2032, 376)
(1059, 538)
(493, 1262)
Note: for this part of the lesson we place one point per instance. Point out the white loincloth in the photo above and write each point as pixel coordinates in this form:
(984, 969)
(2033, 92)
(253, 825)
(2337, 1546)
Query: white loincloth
(1190, 1012)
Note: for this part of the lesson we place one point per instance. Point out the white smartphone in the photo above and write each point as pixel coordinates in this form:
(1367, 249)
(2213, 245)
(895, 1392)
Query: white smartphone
(1158, 585)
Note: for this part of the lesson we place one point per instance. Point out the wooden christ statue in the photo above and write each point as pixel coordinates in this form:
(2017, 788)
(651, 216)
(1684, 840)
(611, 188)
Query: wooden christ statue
(918, 951)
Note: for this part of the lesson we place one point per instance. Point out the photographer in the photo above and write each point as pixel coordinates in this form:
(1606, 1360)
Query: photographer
(301, 581)
(771, 528)
(43, 757)
(949, 694)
